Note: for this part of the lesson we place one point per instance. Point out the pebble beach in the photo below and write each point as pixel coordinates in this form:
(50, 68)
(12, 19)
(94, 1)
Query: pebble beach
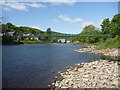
(95, 74)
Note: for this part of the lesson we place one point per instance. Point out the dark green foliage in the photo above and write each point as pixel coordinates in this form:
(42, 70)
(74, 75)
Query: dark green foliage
(49, 31)
(20, 30)
(105, 26)
(7, 39)
(90, 29)
(115, 25)
(109, 43)
(111, 27)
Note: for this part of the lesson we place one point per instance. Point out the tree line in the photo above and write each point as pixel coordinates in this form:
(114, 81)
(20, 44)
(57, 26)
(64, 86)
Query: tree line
(107, 27)
(19, 31)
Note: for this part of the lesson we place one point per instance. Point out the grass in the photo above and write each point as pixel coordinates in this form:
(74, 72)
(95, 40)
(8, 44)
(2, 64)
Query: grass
(34, 42)
(28, 42)
(109, 43)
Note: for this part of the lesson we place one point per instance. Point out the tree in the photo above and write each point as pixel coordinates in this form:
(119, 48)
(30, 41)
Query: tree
(7, 39)
(90, 29)
(48, 31)
(115, 25)
(105, 26)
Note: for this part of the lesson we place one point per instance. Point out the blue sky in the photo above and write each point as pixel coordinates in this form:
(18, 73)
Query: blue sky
(61, 17)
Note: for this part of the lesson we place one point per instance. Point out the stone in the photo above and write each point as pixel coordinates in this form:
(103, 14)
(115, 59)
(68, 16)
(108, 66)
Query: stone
(96, 74)
(56, 84)
(48, 85)
(64, 87)
(56, 77)
(53, 83)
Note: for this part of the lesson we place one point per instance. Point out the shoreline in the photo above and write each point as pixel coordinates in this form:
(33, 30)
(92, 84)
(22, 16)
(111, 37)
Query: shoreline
(94, 74)
(27, 43)
(113, 52)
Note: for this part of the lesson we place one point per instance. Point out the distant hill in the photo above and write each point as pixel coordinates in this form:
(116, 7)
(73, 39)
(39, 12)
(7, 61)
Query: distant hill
(9, 27)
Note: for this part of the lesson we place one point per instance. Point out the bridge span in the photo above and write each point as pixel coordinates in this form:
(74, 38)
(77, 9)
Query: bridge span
(68, 35)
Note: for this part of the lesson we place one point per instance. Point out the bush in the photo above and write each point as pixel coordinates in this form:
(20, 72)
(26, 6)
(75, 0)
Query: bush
(7, 39)
(109, 43)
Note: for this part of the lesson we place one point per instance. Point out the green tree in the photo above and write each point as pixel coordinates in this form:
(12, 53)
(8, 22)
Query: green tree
(115, 25)
(88, 30)
(105, 26)
(48, 31)
(7, 39)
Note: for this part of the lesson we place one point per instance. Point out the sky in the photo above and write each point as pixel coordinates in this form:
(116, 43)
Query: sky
(67, 17)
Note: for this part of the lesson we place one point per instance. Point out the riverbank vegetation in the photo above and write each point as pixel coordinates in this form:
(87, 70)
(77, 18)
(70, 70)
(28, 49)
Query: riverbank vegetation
(107, 27)
(26, 35)
(111, 27)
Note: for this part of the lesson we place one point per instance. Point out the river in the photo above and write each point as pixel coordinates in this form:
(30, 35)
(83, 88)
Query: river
(35, 65)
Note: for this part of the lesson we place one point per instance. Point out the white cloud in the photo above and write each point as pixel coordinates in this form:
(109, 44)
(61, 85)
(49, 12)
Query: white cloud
(59, 2)
(32, 26)
(86, 23)
(35, 26)
(95, 23)
(56, 21)
(36, 5)
(65, 18)
(7, 6)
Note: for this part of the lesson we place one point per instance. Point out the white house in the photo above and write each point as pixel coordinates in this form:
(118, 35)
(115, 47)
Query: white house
(11, 33)
(36, 38)
(61, 40)
(68, 41)
(26, 34)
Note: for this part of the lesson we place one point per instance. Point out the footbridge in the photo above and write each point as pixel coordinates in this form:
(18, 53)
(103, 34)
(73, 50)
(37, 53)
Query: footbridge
(68, 35)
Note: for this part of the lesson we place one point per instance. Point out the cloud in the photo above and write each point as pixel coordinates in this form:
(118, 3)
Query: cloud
(65, 18)
(56, 21)
(59, 2)
(86, 23)
(95, 23)
(66, 1)
(7, 6)
(34, 26)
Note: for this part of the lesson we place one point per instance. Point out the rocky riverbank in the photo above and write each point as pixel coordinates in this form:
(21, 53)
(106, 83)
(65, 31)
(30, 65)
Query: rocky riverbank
(114, 52)
(96, 74)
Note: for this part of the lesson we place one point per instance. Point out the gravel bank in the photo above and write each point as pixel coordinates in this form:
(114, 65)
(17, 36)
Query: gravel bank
(96, 74)
(114, 52)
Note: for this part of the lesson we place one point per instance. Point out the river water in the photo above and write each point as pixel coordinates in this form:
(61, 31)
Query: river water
(35, 66)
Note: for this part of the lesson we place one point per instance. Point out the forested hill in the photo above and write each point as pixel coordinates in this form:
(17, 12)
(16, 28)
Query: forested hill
(9, 27)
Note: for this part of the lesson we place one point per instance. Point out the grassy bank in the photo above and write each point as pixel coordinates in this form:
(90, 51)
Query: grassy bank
(108, 43)
(26, 42)
(35, 42)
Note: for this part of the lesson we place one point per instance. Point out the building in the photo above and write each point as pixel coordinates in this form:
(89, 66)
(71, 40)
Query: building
(67, 41)
(26, 34)
(11, 33)
(36, 38)
(77, 41)
(61, 40)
